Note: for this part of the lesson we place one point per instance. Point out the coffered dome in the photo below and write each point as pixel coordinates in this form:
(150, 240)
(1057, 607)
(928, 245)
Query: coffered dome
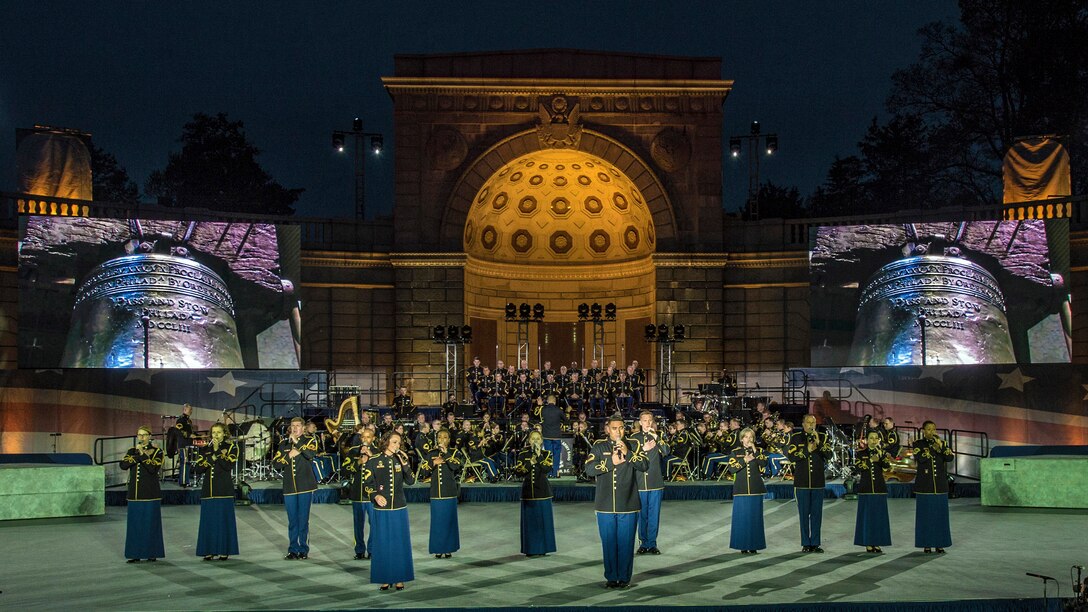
(559, 206)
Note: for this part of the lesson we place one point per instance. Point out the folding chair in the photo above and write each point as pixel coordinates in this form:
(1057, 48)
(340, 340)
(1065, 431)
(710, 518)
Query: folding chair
(471, 469)
(679, 470)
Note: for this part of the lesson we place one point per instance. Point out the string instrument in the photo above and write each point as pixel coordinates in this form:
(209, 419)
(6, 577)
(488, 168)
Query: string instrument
(346, 417)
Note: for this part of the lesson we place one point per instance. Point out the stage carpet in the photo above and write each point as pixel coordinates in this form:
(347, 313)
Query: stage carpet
(58, 564)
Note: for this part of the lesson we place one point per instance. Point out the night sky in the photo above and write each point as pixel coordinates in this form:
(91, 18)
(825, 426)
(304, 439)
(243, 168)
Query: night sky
(133, 73)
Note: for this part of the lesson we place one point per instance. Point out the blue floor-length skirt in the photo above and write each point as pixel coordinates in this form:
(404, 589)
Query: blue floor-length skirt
(931, 529)
(218, 531)
(390, 547)
(537, 527)
(872, 527)
(746, 532)
(445, 534)
(143, 538)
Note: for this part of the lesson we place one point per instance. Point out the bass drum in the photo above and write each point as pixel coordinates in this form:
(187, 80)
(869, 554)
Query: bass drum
(256, 440)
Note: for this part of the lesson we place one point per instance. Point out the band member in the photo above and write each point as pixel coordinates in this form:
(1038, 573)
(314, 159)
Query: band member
(872, 528)
(402, 404)
(597, 390)
(355, 460)
(297, 454)
(387, 424)
(624, 393)
(580, 450)
(721, 445)
(473, 375)
(218, 531)
(747, 463)
(575, 393)
(496, 403)
(682, 447)
(523, 393)
(931, 528)
(184, 427)
(484, 389)
(637, 376)
(809, 451)
(450, 405)
(616, 464)
(651, 485)
(390, 543)
(537, 524)
(143, 538)
(479, 444)
(324, 461)
(552, 417)
(443, 463)
(890, 441)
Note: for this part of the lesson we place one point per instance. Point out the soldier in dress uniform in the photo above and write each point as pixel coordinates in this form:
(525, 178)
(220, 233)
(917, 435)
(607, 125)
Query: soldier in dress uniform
(355, 460)
(402, 404)
(496, 402)
(872, 529)
(931, 528)
(296, 453)
(624, 393)
(890, 437)
(523, 393)
(483, 391)
(184, 438)
(537, 523)
(682, 445)
(551, 421)
(616, 463)
(637, 376)
(473, 375)
(809, 450)
(450, 405)
(651, 485)
(574, 391)
(143, 537)
(746, 463)
(384, 478)
(443, 463)
(580, 448)
(217, 534)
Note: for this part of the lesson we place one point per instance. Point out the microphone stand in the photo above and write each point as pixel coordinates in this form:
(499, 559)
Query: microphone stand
(1046, 605)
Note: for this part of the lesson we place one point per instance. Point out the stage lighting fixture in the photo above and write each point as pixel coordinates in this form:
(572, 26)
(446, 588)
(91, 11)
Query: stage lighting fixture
(377, 144)
(511, 311)
(772, 144)
(439, 334)
(453, 333)
(595, 310)
(678, 332)
(524, 311)
(662, 332)
(357, 124)
(651, 332)
(538, 312)
(466, 333)
(583, 311)
(755, 128)
(338, 142)
(610, 311)
(734, 146)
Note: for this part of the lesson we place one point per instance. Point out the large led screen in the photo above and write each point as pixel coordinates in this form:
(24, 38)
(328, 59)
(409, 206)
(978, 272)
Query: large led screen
(940, 293)
(136, 293)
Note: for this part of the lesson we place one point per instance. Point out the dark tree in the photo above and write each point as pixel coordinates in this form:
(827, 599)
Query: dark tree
(1010, 68)
(781, 202)
(844, 191)
(109, 179)
(217, 169)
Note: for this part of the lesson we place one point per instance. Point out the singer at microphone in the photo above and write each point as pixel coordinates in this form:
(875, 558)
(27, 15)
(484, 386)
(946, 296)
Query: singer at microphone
(651, 483)
(537, 523)
(932, 531)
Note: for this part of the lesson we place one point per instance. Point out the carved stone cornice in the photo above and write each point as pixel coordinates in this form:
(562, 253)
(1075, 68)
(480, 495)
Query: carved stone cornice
(427, 260)
(558, 272)
(691, 260)
(767, 259)
(576, 87)
(344, 259)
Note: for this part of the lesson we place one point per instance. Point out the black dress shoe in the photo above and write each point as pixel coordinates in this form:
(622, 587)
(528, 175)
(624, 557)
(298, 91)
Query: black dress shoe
(806, 549)
(654, 551)
(940, 551)
(152, 559)
(926, 551)
(366, 556)
(358, 556)
(291, 556)
(622, 584)
(303, 556)
(384, 587)
(815, 549)
(209, 557)
(399, 587)
(611, 584)
(438, 556)
(224, 557)
(642, 550)
(132, 561)
(447, 555)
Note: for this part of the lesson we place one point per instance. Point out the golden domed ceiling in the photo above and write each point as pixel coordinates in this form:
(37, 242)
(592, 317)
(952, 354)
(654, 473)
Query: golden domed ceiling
(559, 205)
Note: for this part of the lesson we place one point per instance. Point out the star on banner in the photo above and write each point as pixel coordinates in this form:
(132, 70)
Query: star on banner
(1086, 392)
(858, 369)
(935, 372)
(142, 375)
(225, 384)
(1014, 380)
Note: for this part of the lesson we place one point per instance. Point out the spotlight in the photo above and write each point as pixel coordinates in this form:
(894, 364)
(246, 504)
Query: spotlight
(583, 311)
(524, 311)
(610, 311)
(338, 142)
(357, 125)
(595, 310)
(376, 144)
(466, 334)
(678, 332)
(538, 312)
(511, 311)
(734, 146)
(755, 128)
(651, 332)
(772, 144)
(453, 333)
(662, 332)
(439, 334)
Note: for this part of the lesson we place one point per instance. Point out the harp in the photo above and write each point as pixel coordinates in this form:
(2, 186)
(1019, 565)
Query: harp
(346, 418)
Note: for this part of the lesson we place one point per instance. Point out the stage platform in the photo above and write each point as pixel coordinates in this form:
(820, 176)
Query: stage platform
(1027, 481)
(564, 489)
(49, 490)
(983, 570)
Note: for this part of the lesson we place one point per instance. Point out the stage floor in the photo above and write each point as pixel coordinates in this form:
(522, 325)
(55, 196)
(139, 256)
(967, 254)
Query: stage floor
(58, 563)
